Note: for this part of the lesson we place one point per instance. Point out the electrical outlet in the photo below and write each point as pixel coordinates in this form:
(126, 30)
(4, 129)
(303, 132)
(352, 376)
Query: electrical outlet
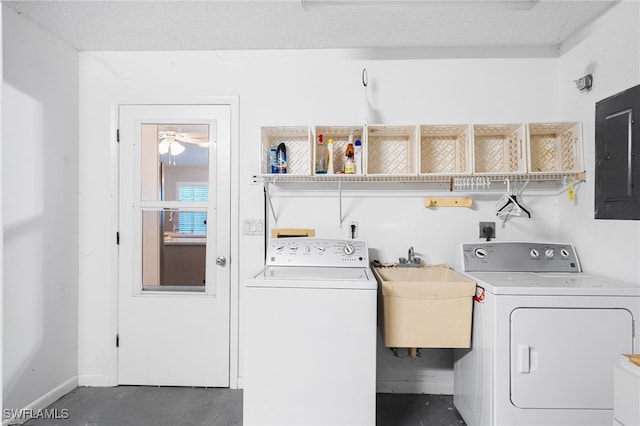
(487, 230)
(352, 232)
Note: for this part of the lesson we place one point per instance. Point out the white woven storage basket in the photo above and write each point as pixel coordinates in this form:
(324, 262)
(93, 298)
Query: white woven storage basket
(340, 136)
(296, 139)
(391, 150)
(555, 147)
(445, 149)
(499, 149)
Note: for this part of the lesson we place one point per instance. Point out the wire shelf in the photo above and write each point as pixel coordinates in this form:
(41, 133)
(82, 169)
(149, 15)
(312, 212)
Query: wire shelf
(283, 178)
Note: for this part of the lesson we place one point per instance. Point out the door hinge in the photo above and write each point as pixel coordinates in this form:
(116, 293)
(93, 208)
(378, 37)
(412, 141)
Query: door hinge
(117, 340)
(117, 135)
(117, 238)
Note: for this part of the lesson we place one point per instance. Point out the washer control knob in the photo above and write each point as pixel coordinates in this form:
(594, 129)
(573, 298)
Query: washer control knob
(320, 249)
(480, 253)
(293, 249)
(564, 252)
(534, 253)
(549, 253)
(349, 249)
(307, 249)
(279, 249)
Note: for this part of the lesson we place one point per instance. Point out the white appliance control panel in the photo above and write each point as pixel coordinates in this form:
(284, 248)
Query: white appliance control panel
(317, 252)
(520, 257)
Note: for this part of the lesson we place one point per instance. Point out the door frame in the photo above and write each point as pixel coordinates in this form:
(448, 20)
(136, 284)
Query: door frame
(233, 103)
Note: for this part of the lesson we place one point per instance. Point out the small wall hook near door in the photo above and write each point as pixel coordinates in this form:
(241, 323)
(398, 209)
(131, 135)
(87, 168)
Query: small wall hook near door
(221, 261)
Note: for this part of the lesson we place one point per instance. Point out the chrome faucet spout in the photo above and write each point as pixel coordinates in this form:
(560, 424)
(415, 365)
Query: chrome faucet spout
(411, 260)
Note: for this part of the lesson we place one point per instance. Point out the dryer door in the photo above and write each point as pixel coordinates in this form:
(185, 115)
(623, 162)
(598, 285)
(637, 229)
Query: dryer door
(564, 358)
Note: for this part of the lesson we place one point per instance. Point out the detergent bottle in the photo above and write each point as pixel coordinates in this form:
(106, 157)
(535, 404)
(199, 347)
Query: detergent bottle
(321, 157)
(330, 157)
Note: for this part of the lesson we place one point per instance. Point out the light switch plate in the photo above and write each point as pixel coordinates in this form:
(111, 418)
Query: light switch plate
(253, 227)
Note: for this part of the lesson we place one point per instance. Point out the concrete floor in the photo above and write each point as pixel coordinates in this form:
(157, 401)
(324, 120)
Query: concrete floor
(172, 406)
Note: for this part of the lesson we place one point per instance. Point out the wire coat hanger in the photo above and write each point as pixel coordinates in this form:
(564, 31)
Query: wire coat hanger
(509, 206)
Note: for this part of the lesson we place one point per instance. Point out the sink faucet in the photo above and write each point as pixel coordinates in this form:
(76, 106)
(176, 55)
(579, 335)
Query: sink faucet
(411, 260)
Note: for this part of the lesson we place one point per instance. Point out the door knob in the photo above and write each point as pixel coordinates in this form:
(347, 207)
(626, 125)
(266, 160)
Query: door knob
(221, 261)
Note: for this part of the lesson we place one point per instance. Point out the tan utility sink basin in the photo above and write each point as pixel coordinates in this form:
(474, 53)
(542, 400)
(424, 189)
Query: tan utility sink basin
(435, 273)
(427, 307)
(428, 281)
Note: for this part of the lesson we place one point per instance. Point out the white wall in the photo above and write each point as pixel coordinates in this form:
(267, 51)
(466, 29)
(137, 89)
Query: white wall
(324, 88)
(296, 87)
(611, 51)
(40, 213)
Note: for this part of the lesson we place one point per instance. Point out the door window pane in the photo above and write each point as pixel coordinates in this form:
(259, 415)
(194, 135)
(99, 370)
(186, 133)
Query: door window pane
(172, 261)
(174, 166)
(172, 153)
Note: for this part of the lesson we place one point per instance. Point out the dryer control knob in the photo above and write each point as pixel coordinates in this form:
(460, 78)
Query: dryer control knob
(480, 253)
(564, 252)
(349, 248)
(534, 253)
(549, 253)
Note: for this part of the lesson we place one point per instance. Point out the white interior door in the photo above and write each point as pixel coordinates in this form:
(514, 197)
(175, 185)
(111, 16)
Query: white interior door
(174, 231)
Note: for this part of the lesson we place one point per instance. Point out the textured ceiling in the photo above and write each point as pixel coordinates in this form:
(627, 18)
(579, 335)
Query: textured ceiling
(269, 24)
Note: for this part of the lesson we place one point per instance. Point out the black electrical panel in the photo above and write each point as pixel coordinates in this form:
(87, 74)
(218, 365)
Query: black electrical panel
(617, 181)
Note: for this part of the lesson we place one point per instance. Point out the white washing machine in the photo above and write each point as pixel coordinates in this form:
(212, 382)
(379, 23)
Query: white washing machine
(545, 338)
(310, 335)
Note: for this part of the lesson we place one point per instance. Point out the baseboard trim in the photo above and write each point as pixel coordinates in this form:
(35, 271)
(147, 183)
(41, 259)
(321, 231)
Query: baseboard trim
(402, 386)
(44, 401)
(414, 387)
(94, 380)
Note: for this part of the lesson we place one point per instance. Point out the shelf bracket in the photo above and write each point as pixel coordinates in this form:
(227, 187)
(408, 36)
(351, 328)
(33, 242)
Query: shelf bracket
(273, 212)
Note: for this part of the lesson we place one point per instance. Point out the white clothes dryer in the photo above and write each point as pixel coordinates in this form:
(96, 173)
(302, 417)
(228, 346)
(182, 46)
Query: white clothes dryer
(310, 335)
(545, 338)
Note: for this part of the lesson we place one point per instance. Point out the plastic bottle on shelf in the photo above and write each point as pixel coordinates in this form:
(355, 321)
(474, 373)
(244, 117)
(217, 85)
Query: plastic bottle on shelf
(349, 149)
(349, 165)
(321, 157)
(281, 159)
(330, 157)
(357, 157)
(273, 160)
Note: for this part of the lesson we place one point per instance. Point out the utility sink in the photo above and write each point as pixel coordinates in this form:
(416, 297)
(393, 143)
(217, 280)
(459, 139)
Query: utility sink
(425, 307)
(431, 274)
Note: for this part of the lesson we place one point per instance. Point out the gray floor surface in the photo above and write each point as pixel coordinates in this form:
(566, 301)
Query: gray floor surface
(176, 406)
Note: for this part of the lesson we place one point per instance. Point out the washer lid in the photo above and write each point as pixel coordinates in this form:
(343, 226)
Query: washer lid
(314, 277)
(569, 284)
